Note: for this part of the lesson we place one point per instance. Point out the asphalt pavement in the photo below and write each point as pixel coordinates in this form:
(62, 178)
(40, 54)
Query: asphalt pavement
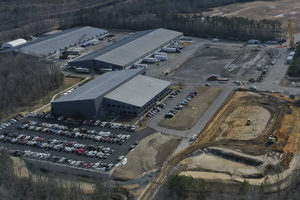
(113, 158)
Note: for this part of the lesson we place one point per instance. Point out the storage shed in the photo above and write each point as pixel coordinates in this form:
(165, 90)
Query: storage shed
(13, 43)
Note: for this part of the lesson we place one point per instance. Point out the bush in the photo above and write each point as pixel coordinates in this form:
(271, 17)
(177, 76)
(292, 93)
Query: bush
(180, 184)
(294, 68)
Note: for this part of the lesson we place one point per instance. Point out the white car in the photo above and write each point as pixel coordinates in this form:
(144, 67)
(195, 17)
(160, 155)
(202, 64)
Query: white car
(120, 158)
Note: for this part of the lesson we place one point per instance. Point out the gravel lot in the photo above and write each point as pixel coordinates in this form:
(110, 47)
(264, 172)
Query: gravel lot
(148, 156)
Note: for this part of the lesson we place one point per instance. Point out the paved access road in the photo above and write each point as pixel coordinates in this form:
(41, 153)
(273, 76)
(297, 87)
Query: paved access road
(272, 82)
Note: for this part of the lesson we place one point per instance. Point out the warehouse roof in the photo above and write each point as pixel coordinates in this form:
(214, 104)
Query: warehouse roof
(113, 46)
(138, 91)
(138, 48)
(55, 42)
(128, 50)
(100, 85)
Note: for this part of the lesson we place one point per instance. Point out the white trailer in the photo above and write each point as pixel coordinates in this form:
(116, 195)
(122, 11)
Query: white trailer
(159, 53)
(82, 70)
(149, 60)
(143, 66)
(170, 50)
(161, 57)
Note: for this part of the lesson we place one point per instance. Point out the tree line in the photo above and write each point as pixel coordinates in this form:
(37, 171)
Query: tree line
(294, 68)
(184, 16)
(184, 187)
(43, 186)
(24, 80)
(19, 18)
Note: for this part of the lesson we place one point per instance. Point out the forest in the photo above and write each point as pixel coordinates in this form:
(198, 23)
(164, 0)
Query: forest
(45, 186)
(20, 18)
(24, 80)
(185, 17)
(184, 187)
(294, 68)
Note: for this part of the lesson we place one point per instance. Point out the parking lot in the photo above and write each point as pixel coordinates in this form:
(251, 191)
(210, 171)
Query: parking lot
(90, 144)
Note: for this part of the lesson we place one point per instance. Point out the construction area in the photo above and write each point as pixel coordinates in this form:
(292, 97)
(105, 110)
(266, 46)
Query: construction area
(148, 157)
(164, 105)
(254, 136)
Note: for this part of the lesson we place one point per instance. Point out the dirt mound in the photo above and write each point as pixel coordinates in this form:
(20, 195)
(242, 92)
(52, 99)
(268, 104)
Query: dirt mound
(212, 163)
(148, 156)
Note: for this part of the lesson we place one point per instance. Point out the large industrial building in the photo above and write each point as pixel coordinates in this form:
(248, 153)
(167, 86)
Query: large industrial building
(127, 51)
(125, 92)
(55, 43)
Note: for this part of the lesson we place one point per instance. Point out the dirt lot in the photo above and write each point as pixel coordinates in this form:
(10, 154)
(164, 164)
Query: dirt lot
(189, 115)
(148, 156)
(234, 127)
(283, 154)
(280, 10)
(247, 154)
(204, 162)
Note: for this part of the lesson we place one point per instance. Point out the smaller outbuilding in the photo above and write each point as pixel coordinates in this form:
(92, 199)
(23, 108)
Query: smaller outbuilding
(13, 43)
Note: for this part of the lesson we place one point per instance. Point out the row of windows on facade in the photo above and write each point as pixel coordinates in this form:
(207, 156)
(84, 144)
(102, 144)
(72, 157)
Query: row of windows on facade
(124, 112)
(118, 106)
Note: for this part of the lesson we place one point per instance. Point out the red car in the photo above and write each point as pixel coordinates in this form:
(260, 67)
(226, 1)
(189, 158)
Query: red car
(148, 115)
(69, 144)
(80, 151)
(84, 165)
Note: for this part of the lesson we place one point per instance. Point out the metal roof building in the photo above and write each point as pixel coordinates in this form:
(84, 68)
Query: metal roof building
(14, 43)
(125, 92)
(86, 100)
(138, 91)
(56, 42)
(127, 51)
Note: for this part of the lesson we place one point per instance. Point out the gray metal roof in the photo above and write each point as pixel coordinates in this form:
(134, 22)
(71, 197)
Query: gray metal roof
(124, 52)
(100, 85)
(127, 53)
(55, 42)
(138, 91)
(99, 52)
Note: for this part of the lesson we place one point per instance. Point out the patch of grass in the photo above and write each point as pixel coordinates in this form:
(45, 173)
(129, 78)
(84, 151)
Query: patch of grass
(189, 115)
(68, 82)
